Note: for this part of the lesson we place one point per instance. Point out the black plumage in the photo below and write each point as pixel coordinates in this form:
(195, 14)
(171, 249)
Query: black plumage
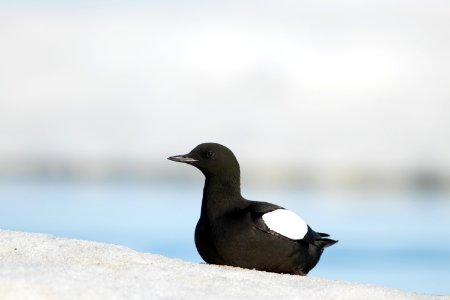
(232, 230)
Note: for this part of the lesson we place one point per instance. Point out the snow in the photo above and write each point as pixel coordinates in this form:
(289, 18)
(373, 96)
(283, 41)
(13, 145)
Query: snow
(39, 266)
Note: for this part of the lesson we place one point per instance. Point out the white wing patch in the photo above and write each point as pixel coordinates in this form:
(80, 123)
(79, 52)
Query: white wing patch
(286, 223)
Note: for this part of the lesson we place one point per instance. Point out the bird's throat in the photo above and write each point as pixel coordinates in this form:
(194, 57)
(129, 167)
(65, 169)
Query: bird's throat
(220, 195)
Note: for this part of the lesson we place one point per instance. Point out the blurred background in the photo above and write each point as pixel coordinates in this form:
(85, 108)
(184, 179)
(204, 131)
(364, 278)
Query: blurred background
(337, 110)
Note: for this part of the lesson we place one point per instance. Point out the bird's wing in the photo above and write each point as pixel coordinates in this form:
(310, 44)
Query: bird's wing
(257, 209)
(260, 208)
(279, 221)
(276, 220)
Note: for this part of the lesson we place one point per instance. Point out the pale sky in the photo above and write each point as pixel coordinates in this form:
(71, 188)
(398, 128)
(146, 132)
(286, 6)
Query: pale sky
(336, 83)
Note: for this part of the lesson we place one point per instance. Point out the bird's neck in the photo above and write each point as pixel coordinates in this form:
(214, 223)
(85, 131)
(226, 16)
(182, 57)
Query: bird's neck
(220, 195)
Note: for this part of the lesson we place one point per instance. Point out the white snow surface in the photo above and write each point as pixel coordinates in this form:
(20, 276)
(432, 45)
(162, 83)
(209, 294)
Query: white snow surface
(286, 223)
(39, 266)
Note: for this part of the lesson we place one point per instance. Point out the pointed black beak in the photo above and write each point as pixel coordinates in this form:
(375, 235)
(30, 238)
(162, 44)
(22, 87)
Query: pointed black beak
(182, 158)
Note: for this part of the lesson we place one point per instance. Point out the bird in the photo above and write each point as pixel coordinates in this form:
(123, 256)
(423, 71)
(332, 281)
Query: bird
(237, 232)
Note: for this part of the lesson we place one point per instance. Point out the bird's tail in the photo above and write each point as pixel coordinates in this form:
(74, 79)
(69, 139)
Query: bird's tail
(323, 234)
(325, 242)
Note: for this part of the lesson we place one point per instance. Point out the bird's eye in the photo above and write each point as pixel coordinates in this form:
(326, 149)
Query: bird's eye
(210, 154)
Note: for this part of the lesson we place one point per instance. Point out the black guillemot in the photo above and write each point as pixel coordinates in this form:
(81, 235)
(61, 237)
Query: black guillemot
(237, 232)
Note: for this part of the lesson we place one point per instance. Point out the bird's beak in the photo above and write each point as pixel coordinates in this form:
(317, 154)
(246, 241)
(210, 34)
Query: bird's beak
(182, 158)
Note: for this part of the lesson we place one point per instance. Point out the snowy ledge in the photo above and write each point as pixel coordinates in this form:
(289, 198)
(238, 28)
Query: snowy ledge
(40, 266)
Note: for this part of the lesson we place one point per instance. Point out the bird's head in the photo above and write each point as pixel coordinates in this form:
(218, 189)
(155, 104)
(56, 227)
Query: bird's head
(212, 159)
